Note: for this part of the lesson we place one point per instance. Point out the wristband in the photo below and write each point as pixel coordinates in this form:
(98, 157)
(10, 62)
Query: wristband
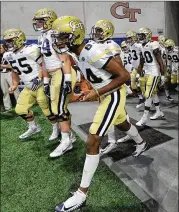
(46, 80)
(67, 77)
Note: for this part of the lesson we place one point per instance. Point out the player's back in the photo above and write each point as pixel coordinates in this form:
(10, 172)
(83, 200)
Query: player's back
(50, 57)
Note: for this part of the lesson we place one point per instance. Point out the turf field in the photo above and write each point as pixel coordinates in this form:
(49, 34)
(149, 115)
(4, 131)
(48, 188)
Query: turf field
(31, 182)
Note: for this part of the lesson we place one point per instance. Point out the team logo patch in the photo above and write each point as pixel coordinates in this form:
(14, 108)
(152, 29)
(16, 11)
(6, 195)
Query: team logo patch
(75, 25)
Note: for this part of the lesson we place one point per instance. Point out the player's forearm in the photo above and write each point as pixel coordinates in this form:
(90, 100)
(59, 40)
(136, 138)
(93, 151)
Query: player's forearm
(3, 66)
(115, 83)
(140, 67)
(66, 63)
(15, 79)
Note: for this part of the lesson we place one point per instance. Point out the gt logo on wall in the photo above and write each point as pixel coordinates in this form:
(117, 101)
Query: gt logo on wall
(127, 12)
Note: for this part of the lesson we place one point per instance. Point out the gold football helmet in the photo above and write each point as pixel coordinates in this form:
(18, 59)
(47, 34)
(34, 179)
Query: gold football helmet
(162, 39)
(144, 35)
(43, 19)
(68, 31)
(169, 45)
(13, 39)
(131, 37)
(125, 47)
(102, 30)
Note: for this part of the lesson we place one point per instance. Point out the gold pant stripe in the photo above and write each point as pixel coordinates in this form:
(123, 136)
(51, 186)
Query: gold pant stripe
(154, 84)
(109, 114)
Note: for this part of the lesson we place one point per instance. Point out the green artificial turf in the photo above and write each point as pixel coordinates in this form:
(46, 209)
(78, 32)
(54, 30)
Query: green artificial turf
(31, 182)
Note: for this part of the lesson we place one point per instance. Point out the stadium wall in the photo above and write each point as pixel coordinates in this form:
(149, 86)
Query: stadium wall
(124, 15)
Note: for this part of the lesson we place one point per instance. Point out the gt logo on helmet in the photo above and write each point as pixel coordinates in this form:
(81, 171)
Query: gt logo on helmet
(106, 25)
(75, 25)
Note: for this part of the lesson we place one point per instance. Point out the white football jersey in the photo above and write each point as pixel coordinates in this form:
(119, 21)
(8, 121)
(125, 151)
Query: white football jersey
(26, 63)
(135, 53)
(92, 62)
(173, 60)
(127, 61)
(163, 54)
(114, 47)
(50, 57)
(151, 66)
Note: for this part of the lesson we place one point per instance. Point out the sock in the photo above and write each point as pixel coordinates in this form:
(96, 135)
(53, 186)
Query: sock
(65, 136)
(156, 103)
(111, 135)
(55, 126)
(32, 124)
(167, 93)
(127, 117)
(148, 102)
(90, 166)
(134, 134)
(140, 96)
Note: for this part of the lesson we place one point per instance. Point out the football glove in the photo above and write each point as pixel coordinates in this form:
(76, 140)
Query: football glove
(67, 88)
(47, 90)
(36, 83)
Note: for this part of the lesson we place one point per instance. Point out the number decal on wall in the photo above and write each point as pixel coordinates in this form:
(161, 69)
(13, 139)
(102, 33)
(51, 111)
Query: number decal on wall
(46, 48)
(26, 68)
(91, 77)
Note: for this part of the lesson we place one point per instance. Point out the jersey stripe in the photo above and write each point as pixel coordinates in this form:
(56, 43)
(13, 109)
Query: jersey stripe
(109, 114)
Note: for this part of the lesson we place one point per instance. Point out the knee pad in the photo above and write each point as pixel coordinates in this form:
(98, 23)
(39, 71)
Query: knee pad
(27, 116)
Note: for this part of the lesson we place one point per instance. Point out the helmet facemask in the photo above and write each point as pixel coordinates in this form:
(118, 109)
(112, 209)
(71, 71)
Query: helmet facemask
(125, 49)
(142, 38)
(97, 34)
(130, 40)
(10, 44)
(39, 24)
(169, 48)
(62, 42)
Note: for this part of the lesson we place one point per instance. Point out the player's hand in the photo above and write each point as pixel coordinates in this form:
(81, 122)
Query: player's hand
(36, 83)
(12, 89)
(47, 90)
(67, 88)
(88, 95)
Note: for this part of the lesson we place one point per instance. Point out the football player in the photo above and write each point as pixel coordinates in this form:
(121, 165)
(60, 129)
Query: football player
(135, 53)
(59, 78)
(162, 39)
(126, 61)
(102, 32)
(25, 61)
(152, 68)
(173, 60)
(98, 65)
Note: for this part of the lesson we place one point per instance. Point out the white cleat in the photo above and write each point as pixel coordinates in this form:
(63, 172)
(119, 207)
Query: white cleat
(157, 115)
(140, 148)
(30, 132)
(124, 139)
(75, 202)
(63, 147)
(108, 148)
(142, 122)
